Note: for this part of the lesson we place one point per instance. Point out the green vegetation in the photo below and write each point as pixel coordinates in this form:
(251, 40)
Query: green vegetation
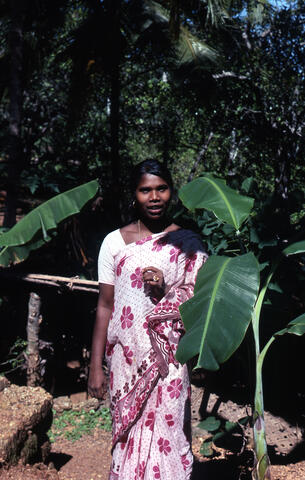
(219, 431)
(15, 358)
(40, 225)
(73, 424)
(229, 296)
(210, 86)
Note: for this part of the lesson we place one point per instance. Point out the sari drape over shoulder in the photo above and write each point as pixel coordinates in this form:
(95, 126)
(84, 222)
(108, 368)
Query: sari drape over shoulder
(149, 389)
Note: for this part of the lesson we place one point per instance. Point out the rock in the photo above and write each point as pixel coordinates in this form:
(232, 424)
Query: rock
(4, 383)
(78, 397)
(81, 401)
(73, 364)
(60, 404)
(87, 405)
(25, 417)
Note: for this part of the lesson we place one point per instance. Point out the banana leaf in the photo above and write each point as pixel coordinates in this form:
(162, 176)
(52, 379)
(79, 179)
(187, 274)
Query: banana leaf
(47, 216)
(295, 248)
(39, 226)
(217, 316)
(16, 254)
(213, 194)
(295, 327)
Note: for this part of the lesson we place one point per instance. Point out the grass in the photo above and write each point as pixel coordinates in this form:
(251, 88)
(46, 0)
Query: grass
(73, 424)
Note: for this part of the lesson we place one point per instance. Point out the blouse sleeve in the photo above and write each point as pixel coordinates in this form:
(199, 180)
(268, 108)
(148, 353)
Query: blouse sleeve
(105, 263)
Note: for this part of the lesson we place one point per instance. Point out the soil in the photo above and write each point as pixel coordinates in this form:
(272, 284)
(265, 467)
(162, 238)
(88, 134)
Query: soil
(89, 457)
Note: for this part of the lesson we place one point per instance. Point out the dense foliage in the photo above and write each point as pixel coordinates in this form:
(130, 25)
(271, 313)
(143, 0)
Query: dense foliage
(101, 85)
(89, 87)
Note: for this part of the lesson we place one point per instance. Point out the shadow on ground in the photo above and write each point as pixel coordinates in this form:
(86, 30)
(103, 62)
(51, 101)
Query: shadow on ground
(225, 469)
(59, 459)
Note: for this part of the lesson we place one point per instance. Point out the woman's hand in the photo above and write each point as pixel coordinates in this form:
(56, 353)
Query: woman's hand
(154, 282)
(97, 382)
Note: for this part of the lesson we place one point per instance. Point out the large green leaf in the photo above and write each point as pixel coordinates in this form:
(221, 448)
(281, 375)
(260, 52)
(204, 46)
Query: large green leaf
(295, 327)
(17, 254)
(213, 194)
(217, 316)
(39, 226)
(47, 216)
(295, 248)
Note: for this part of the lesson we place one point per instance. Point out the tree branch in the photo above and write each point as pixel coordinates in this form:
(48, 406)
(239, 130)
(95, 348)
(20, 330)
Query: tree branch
(200, 156)
(224, 74)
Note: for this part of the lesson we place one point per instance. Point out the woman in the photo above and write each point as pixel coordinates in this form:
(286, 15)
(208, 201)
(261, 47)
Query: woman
(146, 270)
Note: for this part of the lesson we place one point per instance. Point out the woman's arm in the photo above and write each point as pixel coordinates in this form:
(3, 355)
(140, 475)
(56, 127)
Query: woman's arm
(97, 379)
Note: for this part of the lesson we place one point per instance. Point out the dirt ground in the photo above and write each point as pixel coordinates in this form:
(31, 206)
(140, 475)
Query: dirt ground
(89, 457)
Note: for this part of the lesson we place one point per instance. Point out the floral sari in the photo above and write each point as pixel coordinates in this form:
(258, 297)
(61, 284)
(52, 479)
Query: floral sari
(149, 389)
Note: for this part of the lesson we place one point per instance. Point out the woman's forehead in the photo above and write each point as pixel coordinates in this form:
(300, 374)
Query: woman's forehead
(153, 181)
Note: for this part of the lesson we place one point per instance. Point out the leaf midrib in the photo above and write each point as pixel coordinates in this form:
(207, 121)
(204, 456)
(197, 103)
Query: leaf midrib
(211, 304)
(225, 200)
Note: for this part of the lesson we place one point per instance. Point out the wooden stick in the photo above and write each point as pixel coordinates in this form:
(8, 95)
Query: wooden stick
(74, 280)
(33, 359)
(73, 283)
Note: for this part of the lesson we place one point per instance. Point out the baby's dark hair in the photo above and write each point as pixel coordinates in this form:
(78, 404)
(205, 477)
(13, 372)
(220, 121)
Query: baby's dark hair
(153, 167)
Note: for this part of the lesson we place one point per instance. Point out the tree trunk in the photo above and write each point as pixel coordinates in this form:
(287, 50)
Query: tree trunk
(282, 174)
(15, 93)
(281, 191)
(33, 367)
(114, 9)
(165, 143)
(200, 156)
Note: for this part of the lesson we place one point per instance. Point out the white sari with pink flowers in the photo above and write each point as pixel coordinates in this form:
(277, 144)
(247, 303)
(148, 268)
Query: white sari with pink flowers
(149, 389)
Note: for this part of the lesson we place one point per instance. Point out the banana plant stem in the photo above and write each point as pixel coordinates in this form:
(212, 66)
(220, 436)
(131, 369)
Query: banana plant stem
(262, 463)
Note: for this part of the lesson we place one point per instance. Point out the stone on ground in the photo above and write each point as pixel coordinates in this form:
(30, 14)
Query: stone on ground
(25, 417)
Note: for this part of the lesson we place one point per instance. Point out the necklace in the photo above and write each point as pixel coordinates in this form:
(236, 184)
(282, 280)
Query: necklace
(139, 230)
(155, 277)
(148, 231)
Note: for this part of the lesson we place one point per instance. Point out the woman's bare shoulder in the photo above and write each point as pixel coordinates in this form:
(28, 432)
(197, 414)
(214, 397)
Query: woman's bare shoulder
(129, 233)
(173, 227)
(131, 227)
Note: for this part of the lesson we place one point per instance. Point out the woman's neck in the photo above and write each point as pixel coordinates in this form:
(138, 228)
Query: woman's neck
(157, 226)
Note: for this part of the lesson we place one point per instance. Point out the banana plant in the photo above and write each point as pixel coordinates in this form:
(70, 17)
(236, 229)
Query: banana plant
(227, 299)
(39, 226)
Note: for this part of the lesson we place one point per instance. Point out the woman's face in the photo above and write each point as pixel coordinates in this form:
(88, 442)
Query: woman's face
(153, 195)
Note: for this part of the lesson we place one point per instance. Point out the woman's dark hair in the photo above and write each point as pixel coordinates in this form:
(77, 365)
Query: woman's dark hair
(153, 167)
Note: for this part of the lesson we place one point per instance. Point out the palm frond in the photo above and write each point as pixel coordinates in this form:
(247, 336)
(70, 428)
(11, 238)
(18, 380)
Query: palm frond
(188, 47)
(191, 49)
(218, 11)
